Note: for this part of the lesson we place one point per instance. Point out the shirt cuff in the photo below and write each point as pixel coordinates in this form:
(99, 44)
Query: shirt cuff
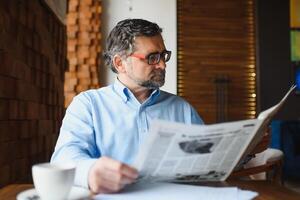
(82, 172)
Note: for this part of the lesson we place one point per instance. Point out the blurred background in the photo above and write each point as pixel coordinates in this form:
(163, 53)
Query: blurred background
(231, 59)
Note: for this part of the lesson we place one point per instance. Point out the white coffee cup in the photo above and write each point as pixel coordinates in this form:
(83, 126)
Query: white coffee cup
(53, 181)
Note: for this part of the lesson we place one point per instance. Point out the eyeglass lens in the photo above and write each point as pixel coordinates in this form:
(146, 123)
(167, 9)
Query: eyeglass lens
(155, 57)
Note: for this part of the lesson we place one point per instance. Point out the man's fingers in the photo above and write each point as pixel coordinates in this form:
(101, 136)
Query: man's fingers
(119, 167)
(119, 178)
(108, 175)
(113, 186)
(129, 171)
(104, 183)
(101, 189)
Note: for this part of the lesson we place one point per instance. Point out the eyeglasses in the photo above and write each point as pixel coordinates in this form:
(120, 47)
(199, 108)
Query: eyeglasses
(154, 58)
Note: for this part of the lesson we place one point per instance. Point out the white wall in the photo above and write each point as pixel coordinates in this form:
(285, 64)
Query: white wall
(162, 12)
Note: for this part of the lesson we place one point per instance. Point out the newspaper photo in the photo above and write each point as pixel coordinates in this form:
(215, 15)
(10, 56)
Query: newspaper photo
(191, 153)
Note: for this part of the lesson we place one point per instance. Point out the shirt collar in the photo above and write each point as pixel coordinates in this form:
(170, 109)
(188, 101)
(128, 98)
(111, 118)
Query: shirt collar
(124, 92)
(153, 96)
(121, 90)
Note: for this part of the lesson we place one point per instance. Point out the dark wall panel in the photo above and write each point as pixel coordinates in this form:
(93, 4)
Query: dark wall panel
(275, 73)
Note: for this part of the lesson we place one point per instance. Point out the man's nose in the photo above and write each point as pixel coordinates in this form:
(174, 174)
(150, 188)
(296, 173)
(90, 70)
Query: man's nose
(161, 64)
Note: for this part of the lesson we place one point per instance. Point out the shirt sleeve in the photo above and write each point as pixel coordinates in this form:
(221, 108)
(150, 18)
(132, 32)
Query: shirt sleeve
(195, 118)
(76, 141)
(191, 116)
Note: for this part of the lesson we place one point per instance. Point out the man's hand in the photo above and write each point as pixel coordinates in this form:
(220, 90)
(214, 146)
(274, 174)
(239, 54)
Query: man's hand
(108, 175)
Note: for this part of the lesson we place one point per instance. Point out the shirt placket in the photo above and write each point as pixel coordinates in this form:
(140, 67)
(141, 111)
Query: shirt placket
(142, 119)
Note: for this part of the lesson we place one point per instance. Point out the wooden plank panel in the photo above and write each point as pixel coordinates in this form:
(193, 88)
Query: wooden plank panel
(216, 38)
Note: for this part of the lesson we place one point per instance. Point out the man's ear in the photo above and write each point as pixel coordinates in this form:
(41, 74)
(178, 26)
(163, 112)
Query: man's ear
(119, 63)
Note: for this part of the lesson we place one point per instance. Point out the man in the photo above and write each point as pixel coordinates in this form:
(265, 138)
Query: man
(103, 129)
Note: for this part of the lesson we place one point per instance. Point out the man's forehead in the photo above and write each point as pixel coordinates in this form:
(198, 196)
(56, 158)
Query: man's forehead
(152, 42)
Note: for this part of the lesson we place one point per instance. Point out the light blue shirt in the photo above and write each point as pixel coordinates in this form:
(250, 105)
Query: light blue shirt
(111, 122)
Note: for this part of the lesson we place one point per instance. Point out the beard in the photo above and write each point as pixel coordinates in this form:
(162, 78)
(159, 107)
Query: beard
(156, 80)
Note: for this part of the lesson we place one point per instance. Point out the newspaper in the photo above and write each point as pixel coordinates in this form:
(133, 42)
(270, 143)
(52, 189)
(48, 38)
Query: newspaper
(190, 153)
(266, 117)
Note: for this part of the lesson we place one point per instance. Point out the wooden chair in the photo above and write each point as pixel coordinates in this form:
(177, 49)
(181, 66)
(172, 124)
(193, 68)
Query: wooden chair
(266, 165)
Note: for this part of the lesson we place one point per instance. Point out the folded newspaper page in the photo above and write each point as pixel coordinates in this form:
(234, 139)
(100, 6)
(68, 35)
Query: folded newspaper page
(191, 153)
(266, 117)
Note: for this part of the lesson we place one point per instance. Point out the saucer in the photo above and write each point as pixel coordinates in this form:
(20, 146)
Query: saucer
(77, 193)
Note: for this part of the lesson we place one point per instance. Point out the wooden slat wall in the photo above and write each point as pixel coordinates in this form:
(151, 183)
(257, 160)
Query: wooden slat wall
(84, 47)
(217, 38)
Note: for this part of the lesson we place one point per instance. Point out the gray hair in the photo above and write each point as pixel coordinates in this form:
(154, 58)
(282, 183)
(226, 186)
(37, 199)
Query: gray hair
(121, 38)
